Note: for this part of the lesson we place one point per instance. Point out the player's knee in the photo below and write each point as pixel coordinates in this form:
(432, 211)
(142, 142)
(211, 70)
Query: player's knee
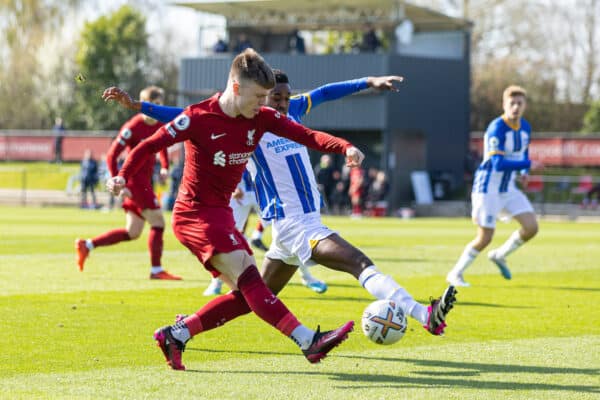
(481, 242)
(156, 219)
(530, 231)
(134, 233)
(160, 224)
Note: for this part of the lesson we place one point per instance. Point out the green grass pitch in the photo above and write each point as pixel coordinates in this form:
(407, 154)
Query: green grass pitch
(67, 334)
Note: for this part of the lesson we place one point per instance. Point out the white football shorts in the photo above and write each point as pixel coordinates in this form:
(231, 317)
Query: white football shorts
(294, 238)
(487, 206)
(242, 208)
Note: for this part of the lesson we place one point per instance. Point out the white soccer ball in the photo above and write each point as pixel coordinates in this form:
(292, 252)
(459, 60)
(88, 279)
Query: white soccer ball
(384, 322)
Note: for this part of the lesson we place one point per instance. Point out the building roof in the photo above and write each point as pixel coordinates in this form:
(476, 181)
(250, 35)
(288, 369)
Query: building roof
(276, 15)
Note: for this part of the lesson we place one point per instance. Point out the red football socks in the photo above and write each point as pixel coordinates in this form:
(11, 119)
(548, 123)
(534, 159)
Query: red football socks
(264, 303)
(155, 245)
(217, 312)
(111, 237)
(259, 227)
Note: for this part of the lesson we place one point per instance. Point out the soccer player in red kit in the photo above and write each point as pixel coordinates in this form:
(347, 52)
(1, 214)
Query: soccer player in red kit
(220, 133)
(140, 202)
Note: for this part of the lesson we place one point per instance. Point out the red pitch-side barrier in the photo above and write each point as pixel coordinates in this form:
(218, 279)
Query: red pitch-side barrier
(567, 152)
(564, 152)
(41, 148)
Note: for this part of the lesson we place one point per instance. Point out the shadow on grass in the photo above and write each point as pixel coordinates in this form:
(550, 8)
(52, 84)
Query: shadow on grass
(478, 304)
(475, 368)
(575, 289)
(380, 260)
(398, 382)
(437, 379)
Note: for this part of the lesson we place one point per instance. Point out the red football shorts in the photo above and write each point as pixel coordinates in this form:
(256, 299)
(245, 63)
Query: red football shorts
(142, 198)
(207, 231)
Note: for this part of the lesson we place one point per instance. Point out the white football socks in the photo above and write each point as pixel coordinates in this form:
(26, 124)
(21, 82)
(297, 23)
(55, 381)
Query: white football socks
(303, 336)
(467, 257)
(156, 270)
(511, 244)
(384, 287)
(305, 273)
(89, 244)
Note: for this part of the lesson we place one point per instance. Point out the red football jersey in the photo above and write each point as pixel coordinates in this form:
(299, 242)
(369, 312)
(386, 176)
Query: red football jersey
(132, 133)
(218, 146)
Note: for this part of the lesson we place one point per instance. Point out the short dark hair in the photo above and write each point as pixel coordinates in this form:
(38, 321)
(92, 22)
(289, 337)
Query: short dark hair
(280, 76)
(250, 66)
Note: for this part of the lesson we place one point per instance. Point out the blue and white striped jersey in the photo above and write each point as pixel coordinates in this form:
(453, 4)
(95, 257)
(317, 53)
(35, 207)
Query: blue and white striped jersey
(294, 190)
(505, 151)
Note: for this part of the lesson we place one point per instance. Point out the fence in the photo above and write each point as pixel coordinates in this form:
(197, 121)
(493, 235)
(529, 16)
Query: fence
(546, 191)
(43, 186)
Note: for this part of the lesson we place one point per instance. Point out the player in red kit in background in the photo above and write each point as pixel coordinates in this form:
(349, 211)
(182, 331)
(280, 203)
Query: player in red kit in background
(140, 202)
(220, 134)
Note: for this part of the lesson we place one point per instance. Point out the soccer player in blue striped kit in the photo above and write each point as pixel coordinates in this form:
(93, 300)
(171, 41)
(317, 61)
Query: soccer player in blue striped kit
(506, 142)
(288, 195)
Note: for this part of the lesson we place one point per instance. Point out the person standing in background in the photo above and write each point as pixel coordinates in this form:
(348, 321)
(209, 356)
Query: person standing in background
(59, 133)
(89, 179)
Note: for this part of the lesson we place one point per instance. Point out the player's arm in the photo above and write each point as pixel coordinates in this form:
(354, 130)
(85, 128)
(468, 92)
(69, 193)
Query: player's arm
(163, 157)
(525, 171)
(116, 148)
(495, 145)
(304, 103)
(501, 164)
(317, 140)
(167, 135)
(159, 113)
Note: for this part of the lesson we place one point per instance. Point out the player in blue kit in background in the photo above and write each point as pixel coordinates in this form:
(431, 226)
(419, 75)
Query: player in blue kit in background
(506, 154)
(288, 195)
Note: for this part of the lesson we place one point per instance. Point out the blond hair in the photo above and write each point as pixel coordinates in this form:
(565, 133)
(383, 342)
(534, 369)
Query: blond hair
(250, 66)
(152, 93)
(513, 90)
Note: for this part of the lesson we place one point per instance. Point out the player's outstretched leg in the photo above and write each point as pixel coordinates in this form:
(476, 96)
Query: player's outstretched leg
(258, 243)
(498, 256)
(438, 310)
(164, 275)
(324, 342)
(214, 287)
(82, 252)
(155, 248)
(256, 239)
(310, 281)
(171, 347)
(251, 297)
(500, 263)
(83, 247)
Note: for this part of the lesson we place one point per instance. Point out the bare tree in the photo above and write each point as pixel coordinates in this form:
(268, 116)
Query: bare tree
(24, 28)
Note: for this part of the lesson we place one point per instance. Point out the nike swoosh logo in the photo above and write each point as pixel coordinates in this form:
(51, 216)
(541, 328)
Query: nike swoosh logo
(213, 136)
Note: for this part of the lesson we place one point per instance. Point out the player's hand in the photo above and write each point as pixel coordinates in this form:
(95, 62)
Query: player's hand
(163, 175)
(125, 193)
(536, 165)
(121, 97)
(384, 82)
(115, 185)
(238, 194)
(524, 181)
(354, 157)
